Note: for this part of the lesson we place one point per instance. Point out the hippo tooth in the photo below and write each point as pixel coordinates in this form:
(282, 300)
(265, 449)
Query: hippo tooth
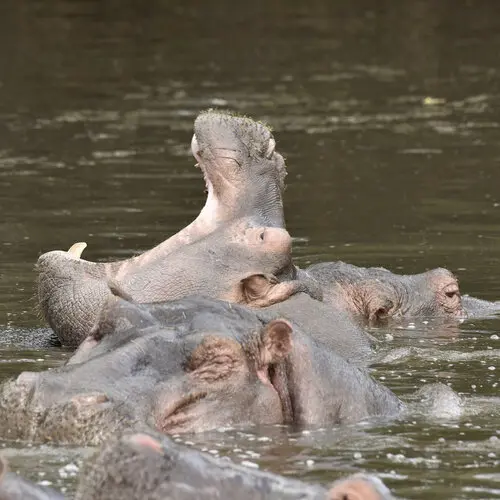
(77, 249)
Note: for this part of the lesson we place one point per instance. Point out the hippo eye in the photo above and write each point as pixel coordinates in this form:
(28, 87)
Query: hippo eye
(270, 148)
(452, 291)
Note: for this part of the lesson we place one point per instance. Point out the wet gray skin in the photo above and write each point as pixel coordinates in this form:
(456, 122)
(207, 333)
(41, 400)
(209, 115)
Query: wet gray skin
(238, 262)
(332, 327)
(480, 308)
(14, 487)
(374, 294)
(145, 465)
(244, 176)
(148, 465)
(217, 365)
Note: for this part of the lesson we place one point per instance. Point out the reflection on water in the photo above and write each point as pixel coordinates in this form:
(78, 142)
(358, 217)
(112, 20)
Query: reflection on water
(388, 116)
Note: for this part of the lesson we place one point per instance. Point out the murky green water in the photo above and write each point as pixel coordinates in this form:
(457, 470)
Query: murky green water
(389, 117)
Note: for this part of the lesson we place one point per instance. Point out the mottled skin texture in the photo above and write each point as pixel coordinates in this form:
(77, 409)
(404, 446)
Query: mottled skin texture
(244, 176)
(215, 364)
(14, 487)
(374, 294)
(145, 465)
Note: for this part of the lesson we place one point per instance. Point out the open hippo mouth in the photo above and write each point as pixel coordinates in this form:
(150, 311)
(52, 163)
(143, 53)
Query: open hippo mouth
(237, 155)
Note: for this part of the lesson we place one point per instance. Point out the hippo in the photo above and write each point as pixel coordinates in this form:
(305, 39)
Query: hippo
(138, 465)
(238, 262)
(374, 293)
(244, 176)
(146, 465)
(333, 329)
(216, 365)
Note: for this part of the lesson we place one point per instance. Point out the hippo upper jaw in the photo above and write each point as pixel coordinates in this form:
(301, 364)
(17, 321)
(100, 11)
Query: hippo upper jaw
(243, 173)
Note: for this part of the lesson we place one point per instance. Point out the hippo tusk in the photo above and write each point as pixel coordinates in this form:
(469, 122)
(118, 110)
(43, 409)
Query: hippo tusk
(77, 249)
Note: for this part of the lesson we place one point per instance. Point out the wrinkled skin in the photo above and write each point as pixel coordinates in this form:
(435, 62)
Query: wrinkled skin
(145, 465)
(214, 365)
(376, 294)
(14, 487)
(237, 262)
(244, 176)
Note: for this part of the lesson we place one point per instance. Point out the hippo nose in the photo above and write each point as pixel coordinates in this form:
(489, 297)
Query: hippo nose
(275, 238)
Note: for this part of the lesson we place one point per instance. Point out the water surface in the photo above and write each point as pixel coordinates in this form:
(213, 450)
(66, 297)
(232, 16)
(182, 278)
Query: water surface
(389, 119)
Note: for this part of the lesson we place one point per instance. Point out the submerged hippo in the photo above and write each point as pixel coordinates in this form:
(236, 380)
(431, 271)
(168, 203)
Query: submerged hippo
(244, 176)
(374, 293)
(217, 365)
(144, 465)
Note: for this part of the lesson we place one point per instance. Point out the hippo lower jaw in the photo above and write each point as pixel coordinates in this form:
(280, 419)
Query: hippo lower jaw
(71, 293)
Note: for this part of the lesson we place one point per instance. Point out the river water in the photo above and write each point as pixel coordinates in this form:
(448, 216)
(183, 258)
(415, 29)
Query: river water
(389, 116)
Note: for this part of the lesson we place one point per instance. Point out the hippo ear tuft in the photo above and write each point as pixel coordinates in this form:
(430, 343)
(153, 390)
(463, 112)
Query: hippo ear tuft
(277, 340)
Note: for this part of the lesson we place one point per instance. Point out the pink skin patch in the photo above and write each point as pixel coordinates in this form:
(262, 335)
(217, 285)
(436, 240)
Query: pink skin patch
(263, 376)
(143, 440)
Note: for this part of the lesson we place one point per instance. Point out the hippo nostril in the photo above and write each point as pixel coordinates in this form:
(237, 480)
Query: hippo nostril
(261, 235)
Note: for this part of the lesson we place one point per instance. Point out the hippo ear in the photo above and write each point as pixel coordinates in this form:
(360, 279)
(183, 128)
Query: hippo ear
(359, 487)
(257, 286)
(377, 303)
(379, 310)
(262, 290)
(277, 341)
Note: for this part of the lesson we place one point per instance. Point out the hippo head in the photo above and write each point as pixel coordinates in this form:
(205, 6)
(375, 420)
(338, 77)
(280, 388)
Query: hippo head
(200, 376)
(377, 294)
(146, 465)
(241, 167)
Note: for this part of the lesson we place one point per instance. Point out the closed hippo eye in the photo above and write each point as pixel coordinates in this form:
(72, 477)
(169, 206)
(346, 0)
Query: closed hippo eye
(215, 358)
(450, 299)
(451, 291)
